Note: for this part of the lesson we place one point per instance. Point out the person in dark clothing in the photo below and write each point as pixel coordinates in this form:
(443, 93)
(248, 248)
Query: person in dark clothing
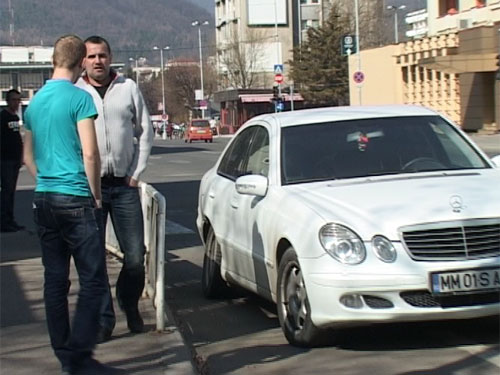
(11, 159)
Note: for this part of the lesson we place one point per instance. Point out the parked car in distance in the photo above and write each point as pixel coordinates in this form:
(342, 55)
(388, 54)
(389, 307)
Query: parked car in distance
(198, 130)
(351, 216)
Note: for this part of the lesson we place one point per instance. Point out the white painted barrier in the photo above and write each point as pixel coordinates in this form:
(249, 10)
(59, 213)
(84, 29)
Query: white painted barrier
(154, 212)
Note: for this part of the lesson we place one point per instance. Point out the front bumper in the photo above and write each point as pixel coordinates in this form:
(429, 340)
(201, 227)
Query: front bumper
(389, 292)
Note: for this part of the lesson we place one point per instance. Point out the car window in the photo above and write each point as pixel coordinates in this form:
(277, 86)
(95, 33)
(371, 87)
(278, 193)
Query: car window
(258, 160)
(370, 147)
(200, 124)
(234, 161)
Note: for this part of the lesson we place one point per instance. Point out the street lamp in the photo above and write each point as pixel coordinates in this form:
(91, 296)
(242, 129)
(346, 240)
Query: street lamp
(136, 68)
(166, 48)
(200, 24)
(395, 9)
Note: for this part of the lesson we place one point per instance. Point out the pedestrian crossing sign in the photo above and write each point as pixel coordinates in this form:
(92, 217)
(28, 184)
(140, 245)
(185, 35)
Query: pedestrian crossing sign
(278, 68)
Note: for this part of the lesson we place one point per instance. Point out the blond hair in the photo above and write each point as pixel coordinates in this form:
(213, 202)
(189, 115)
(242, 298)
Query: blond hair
(69, 52)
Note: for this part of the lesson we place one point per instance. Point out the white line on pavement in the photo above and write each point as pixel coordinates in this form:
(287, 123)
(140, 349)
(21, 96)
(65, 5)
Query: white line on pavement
(174, 228)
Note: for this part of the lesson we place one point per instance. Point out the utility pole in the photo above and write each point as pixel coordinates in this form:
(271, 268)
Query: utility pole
(356, 5)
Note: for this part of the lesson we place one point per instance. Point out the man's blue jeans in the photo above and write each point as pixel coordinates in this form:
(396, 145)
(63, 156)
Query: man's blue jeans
(71, 226)
(123, 204)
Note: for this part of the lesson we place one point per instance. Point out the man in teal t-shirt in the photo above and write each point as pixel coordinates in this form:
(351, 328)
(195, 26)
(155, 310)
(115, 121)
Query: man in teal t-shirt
(56, 142)
(61, 153)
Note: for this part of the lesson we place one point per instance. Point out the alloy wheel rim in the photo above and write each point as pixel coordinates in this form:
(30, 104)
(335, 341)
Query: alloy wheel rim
(295, 296)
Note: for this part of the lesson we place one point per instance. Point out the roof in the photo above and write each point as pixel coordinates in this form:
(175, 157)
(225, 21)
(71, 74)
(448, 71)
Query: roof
(326, 114)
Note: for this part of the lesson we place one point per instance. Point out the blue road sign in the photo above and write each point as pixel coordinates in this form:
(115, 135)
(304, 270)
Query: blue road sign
(278, 68)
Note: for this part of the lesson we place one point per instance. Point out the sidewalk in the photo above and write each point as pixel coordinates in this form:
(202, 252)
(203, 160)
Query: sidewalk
(24, 340)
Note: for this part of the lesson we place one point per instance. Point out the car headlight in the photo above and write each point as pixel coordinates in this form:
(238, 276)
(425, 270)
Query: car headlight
(384, 249)
(342, 244)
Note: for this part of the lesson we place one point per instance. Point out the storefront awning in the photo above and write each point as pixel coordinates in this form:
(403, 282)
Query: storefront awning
(266, 98)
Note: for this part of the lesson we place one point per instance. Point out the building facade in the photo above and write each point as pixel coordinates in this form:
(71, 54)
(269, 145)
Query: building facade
(452, 69)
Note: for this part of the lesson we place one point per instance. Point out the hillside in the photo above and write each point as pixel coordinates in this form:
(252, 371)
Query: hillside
(132, 27)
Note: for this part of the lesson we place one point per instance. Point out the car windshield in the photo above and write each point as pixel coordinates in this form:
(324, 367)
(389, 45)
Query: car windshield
(372, 147)
(200, 124)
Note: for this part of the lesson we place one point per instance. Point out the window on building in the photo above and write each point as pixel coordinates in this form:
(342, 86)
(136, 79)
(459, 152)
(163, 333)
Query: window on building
(480, 3)
(31, 80)
(5, 81)
(448, 7)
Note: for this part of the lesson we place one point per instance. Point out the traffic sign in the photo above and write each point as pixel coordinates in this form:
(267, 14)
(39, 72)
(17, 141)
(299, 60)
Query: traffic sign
(278, 78)
(358, 77)
(164, 116)
(278, 68)
(348, 45)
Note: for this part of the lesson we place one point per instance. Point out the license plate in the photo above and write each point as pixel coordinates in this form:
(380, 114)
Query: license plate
(201, 131)
(484, 279)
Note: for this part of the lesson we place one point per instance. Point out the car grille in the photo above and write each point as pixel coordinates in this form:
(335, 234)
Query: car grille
(422, 298)
(453, 241)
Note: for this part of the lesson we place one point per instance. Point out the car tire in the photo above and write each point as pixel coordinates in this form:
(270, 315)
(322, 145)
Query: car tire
(294, 311)
(211, 141)
(190, 141)
(212, 283)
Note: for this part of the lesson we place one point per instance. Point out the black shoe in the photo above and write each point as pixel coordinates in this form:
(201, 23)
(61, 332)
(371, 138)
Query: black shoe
(94, 367)
(134, 320)
(16, 225)
(9, 228)
(104, 334)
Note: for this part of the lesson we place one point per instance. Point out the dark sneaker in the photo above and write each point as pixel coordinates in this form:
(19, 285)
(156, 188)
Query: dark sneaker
(9, 228)
(16, 225)
(94, 367)
(134, 320)
(104, 334)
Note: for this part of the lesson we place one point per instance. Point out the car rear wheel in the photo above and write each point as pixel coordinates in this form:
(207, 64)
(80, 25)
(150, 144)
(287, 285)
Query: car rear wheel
(294, 311)
(212, 284)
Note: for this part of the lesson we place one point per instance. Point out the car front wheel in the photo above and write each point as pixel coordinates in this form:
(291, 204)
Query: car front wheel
(294, 311)
(212, 283)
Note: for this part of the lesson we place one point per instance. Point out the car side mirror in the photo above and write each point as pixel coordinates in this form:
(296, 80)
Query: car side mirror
(496, 160)
(252, 184)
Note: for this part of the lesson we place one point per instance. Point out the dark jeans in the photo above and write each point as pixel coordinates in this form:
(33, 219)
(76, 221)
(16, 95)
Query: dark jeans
(71, 226)
(123, 204)
(9, 174)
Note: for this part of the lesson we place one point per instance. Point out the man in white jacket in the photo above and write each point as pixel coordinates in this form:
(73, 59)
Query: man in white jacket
(125, 137)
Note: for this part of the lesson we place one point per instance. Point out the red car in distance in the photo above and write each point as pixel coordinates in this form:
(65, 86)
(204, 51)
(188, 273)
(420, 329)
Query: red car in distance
(198, 130)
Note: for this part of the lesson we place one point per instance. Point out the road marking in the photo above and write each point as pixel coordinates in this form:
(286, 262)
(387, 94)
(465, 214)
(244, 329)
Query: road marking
(179, 161)
(487, 354)
(174, 228)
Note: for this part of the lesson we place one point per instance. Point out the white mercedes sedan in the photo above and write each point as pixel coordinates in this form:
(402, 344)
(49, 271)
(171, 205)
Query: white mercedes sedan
(354, 215)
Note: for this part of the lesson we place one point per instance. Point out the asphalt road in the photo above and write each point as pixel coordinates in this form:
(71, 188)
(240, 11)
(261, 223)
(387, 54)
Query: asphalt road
(241, 334)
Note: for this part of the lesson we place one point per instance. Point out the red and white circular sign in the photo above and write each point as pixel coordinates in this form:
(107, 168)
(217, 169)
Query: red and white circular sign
(278, 78)
(358, 77)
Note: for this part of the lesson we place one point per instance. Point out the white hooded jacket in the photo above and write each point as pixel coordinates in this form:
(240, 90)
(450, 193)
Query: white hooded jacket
(123, 127)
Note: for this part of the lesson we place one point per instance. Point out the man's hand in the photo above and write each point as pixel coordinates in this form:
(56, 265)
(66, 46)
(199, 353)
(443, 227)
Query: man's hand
(131, 182)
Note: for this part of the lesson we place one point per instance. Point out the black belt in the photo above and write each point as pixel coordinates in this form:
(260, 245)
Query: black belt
(113, 181)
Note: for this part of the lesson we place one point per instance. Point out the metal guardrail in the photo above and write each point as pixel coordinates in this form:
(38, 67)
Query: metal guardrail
(154, 213)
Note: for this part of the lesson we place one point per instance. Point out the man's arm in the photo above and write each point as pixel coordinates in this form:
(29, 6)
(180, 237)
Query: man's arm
(28, 157)
(91, 159)
(145, 134)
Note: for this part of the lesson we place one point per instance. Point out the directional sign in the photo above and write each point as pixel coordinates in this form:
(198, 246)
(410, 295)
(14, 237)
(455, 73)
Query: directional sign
(358, 77)
(278, 68)
(348, 45)
(278, 78)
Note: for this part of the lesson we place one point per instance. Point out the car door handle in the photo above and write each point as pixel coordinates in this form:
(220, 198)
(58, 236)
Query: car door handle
(211, 194)
(234, 203)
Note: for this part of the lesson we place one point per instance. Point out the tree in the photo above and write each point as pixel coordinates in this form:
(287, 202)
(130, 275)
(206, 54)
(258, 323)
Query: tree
(318, 69)
(242, 60)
